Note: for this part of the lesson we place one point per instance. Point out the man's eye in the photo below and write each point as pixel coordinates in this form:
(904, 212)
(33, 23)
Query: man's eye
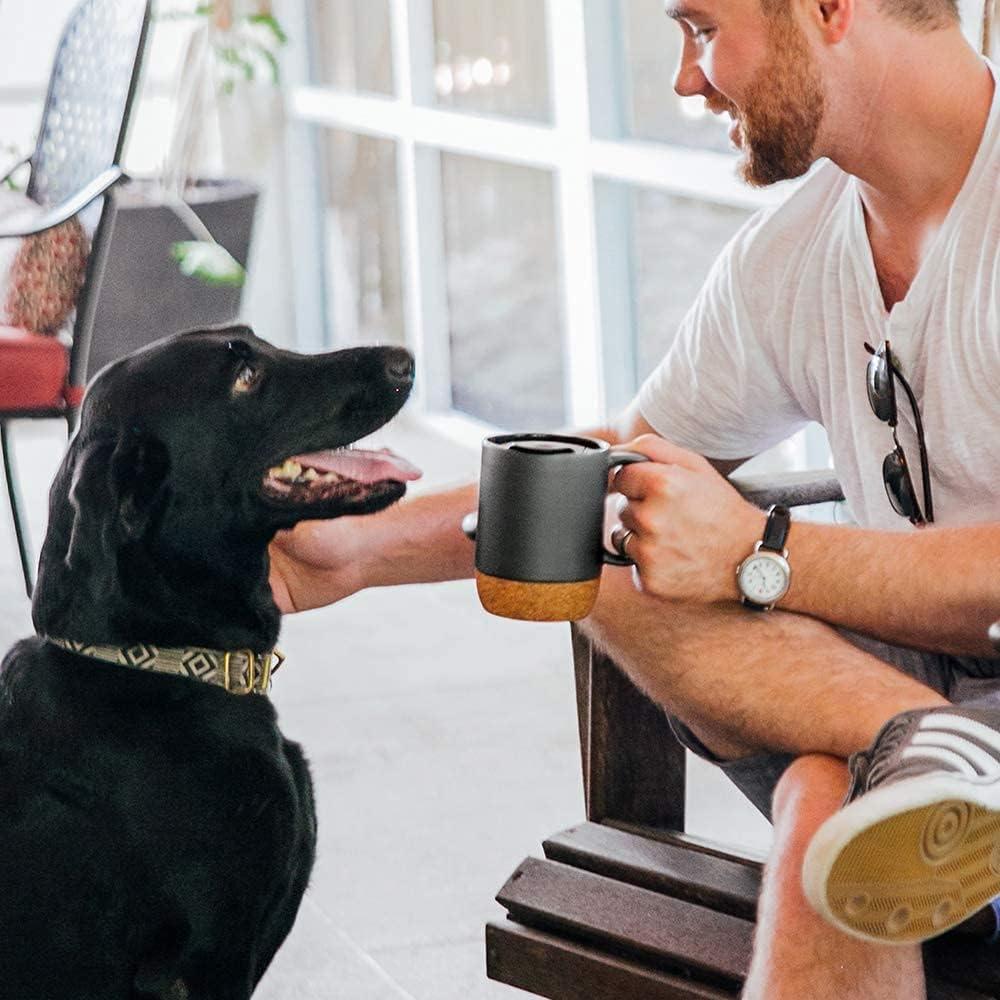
(702, 34)
(247, 378)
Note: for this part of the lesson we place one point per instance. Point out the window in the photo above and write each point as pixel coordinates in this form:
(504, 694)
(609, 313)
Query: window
(553, 205)
(352, 49)
(492, 58)
(507, 358)
(361, 229)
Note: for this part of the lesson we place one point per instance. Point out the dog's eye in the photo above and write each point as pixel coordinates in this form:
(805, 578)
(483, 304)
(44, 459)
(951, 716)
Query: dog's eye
(247, 379)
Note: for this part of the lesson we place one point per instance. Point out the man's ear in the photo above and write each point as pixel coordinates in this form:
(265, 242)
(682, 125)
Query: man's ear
(833, 18)
(117, 486)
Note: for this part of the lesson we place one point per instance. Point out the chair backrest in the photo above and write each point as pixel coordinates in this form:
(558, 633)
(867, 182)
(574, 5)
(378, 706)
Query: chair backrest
(90, 93)
(82, 132)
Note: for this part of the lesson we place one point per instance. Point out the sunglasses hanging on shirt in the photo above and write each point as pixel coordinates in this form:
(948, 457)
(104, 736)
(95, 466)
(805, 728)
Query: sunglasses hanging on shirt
(882, 373)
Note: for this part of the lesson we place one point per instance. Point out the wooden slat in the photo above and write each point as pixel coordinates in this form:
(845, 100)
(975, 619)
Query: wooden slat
(625, 919)
(560, 969)
(727, 886)
(628, 936)
(701, 845)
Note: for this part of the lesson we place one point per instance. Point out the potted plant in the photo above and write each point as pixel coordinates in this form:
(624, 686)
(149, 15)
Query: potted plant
(182, 239)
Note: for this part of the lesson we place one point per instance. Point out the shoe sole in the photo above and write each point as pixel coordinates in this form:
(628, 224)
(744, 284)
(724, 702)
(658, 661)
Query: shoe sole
(909, 861)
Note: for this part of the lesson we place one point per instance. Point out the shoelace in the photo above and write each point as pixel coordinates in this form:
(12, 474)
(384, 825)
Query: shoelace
(883, 761)
(867, 769)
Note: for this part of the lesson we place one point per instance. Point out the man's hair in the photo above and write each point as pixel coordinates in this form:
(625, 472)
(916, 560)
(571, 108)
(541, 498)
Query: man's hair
(923, 15)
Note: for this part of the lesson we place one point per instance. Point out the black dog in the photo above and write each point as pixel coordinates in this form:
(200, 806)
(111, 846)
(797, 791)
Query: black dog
(157, 832)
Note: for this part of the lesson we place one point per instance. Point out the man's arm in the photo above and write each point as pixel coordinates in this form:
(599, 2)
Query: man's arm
(418, 540)
(936, 588)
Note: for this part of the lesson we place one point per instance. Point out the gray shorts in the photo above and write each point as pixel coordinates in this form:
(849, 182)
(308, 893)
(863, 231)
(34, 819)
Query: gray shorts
(963, 680)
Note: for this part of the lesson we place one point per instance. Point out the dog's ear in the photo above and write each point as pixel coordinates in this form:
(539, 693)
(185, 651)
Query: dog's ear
(117, 485)
(138, 473)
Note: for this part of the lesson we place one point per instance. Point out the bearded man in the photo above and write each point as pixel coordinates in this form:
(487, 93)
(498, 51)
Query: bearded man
(868, 301)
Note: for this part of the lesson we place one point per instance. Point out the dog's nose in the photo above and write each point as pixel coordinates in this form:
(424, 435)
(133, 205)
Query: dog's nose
(399, 367)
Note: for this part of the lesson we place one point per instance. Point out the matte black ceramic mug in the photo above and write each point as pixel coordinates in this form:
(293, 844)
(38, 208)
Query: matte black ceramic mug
(539, 530)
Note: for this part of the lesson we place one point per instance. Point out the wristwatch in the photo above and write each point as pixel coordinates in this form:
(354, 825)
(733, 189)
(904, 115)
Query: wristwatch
(763, 577)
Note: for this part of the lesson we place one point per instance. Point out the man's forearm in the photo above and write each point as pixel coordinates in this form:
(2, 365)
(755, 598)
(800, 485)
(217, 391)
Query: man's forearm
(420, 540)
(937, 588)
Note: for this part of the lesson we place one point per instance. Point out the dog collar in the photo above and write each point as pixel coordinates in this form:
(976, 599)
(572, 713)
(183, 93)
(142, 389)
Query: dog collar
(239, 671)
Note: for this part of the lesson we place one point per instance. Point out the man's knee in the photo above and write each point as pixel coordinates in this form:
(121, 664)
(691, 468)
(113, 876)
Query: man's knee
(812, 787)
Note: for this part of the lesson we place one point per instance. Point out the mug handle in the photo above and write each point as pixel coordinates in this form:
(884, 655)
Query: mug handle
(621, 458)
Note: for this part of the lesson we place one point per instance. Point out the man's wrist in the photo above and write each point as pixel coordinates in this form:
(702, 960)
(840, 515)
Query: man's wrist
(750, 532)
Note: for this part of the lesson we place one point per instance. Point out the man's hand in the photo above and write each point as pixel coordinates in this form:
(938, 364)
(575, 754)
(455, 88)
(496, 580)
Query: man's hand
(690, 526)
(315, 563)
(415, 541)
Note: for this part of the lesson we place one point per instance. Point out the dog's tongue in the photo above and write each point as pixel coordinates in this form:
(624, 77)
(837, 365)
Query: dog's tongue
(362, 466)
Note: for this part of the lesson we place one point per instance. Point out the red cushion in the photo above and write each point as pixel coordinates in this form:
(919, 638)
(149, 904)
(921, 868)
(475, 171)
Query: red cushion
(33, 370)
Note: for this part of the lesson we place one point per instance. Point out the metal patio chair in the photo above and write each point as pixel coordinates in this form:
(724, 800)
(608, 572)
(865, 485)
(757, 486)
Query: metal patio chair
(74, 167)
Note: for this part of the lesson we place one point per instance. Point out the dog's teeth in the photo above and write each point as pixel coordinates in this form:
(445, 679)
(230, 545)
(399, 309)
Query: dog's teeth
(330, 477)
(310, 475)
(291, 470)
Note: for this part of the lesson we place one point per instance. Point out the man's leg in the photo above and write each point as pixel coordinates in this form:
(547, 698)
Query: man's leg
(796, 953)
(744, 682)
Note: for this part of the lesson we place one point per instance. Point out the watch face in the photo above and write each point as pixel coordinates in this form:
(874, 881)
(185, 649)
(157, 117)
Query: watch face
(763, 578)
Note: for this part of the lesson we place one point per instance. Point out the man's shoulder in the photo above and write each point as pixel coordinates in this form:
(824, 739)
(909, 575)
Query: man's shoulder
(812, 205)
(782, 235)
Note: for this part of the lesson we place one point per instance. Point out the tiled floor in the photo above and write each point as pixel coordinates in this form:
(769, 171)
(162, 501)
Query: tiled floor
(443, 747)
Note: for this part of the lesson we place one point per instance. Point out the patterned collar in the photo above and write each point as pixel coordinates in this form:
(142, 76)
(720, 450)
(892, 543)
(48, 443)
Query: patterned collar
(239, 671)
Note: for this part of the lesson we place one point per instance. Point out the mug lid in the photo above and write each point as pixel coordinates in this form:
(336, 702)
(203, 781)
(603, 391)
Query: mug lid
(546, 444)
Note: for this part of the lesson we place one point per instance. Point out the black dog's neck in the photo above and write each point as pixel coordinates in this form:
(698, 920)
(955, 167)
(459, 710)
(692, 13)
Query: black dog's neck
(160, 597)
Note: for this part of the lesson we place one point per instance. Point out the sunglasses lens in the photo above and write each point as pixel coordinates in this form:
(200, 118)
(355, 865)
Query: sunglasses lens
(899, 487)
(881, 392)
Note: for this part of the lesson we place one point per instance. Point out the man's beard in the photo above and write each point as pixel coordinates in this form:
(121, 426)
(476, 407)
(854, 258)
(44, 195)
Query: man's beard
(781, 111)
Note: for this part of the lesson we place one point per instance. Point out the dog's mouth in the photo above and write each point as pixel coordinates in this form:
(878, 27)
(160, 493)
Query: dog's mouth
(342, 480)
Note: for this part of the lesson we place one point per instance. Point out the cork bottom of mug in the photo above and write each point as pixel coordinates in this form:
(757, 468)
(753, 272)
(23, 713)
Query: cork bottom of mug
(537, 602)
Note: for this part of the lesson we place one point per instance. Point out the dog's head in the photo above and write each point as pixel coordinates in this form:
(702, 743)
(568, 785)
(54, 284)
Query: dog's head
(194, 451)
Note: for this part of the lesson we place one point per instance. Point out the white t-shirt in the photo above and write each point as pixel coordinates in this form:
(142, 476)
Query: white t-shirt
(776, 339)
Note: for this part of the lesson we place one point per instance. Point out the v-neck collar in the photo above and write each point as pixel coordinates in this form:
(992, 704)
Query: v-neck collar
(926, 276)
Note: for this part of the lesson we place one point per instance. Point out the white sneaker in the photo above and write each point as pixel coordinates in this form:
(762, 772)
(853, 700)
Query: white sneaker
(916, 849)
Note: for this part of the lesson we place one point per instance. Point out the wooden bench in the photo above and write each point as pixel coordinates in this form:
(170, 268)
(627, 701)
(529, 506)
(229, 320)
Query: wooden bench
(627, 906)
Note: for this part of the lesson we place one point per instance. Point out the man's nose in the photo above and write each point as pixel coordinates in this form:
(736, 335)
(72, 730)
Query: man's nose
(689, 80)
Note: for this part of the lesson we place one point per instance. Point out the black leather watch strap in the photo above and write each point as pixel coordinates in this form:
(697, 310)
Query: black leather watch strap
(779, 520)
